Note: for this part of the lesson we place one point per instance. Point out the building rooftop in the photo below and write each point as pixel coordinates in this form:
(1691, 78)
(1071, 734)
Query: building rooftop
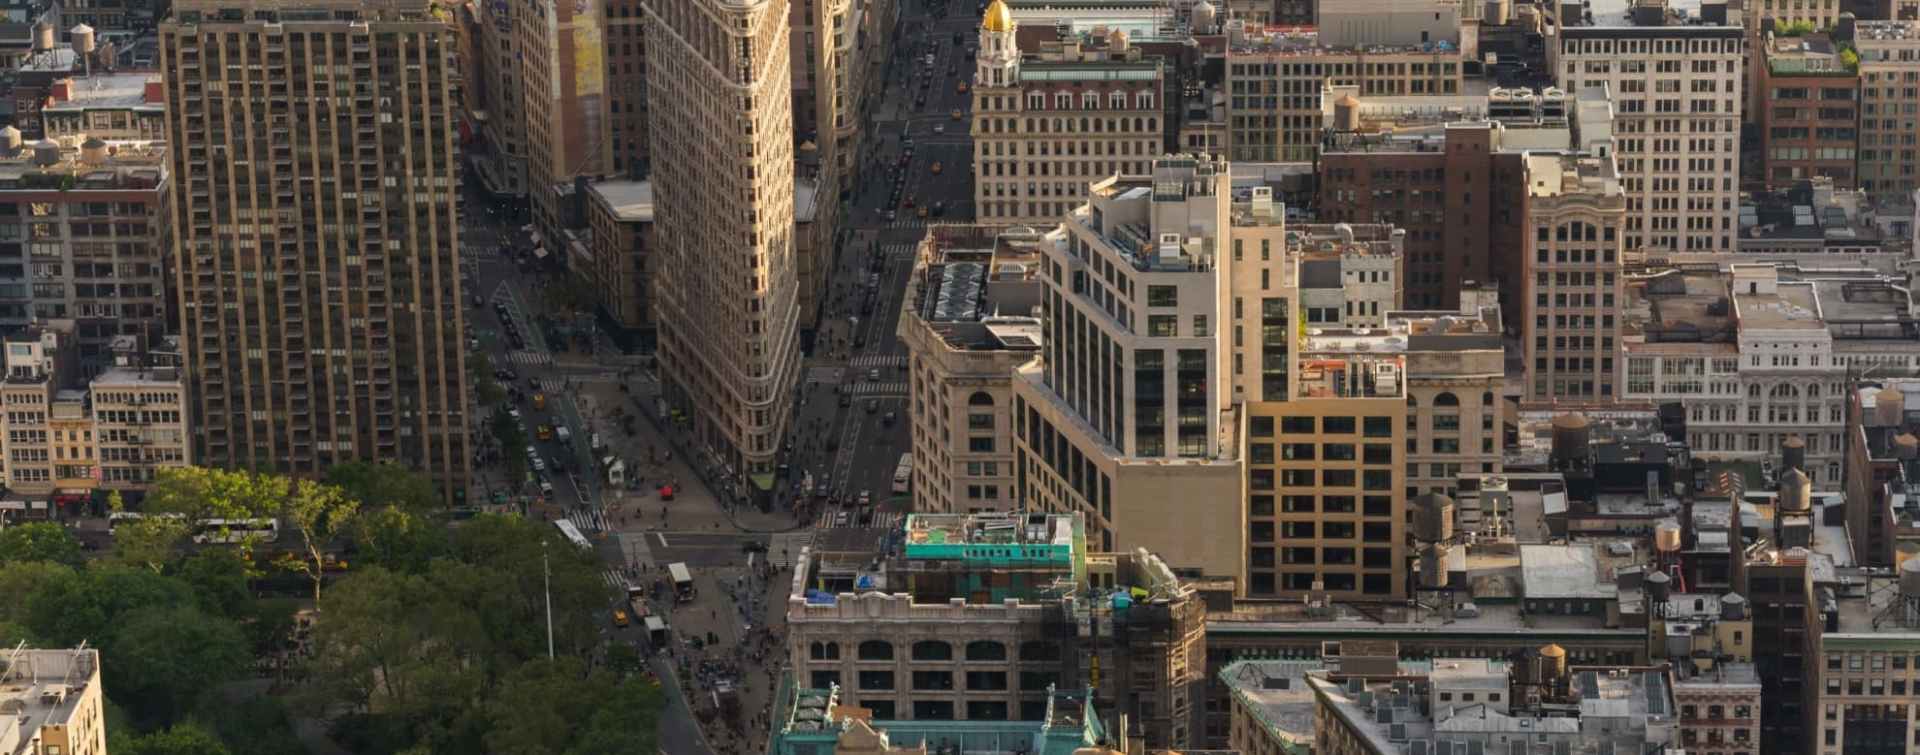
(977, 287)
(41, 688)
(630, 201)
(111, 91)
(1305, 41)
(1677, 14)
(1868, 32)
(1332, 368)
(1275, 692)
(61, 166)
(1104, 70)
(1028, 537)
(815, 722)
(1573, 571)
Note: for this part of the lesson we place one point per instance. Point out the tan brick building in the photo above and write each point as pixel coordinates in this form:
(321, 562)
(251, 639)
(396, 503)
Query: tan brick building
(318, 326)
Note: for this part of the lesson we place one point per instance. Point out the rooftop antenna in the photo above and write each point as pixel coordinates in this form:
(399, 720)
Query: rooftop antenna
(13, 661)
(73, 663)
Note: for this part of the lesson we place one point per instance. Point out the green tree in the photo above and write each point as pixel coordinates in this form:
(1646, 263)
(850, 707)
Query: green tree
(537, 706)
(200, 493)
(384, 484)
(39, 541)
(319, 513)
(89, 605)
(218, 577)
(162, 659)
(397, 540)
(626, 721)
(512, 439)
(19, 580)
(181, 739)
(148, 543)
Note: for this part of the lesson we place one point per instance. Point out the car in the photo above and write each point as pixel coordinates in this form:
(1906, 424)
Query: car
(840, 519)
(891, 215)
(959, 38)
(936, 167)
(873, 375)
(515, 414)
(939, 208)
(539, 464)
(923, 212)
(846, 399)
(955, 114)
(546, 488)
(887, 420)
(533, 453)
(938, 128)
(619, 618)
(873, 405)
(866, 498)
(908, 203)
(904, 159)
(961, 87)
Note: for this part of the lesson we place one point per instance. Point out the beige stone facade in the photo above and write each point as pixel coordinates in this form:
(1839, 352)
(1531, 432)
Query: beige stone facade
(63, 436)
(1047, 124)
(1889, 99)
(1574, 249)
(1456, 409)
(319, 328)
(727, 293)
(960, 363)
(1677, 97)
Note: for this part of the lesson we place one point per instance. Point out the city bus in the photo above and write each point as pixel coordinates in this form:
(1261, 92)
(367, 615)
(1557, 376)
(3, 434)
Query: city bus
(572, 534)
(903, 474)
(234, 531)
(114, 519)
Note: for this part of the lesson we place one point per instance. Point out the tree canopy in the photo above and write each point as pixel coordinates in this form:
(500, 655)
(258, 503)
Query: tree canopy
(39, 541)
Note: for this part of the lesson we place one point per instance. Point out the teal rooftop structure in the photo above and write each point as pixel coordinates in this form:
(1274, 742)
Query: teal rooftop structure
(814, 722)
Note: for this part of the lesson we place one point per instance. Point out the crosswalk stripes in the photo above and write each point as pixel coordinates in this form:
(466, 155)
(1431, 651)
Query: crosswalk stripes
(870, 361)
(827, 375)
(588, 521)
(898, 250)
(615, 580)
(530, 357)
(888, 387)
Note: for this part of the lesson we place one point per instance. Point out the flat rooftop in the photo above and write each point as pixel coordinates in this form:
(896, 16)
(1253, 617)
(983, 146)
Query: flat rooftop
(41, 688)
(1275, 692)
(109, 91)
(1571, 571)
(995, 530)
(1790, 307)
(630, 201)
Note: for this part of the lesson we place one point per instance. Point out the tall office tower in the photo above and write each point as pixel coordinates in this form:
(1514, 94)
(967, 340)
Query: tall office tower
(1889, 98)
(316, 238)
(627, 86)
(562, 46)
(1127, 417)
(1676, 98)
(727, 289)
(499, 155)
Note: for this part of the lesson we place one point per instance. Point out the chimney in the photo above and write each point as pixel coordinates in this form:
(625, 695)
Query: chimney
(62, 90)
(156, 92)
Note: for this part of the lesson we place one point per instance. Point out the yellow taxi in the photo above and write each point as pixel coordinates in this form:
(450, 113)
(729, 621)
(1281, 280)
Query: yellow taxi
(620, 618)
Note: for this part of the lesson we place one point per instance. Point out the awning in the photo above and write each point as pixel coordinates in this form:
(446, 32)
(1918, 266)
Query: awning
(763, 481)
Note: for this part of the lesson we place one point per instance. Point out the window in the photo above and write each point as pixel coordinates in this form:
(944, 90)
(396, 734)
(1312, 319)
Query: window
(986, 650)
(876, 650)
(980, 445)
(876, 680)
(1163, 296)
(1163, 326)
(825, 651)
(1039, 650)
(932, 650)
(933, 680)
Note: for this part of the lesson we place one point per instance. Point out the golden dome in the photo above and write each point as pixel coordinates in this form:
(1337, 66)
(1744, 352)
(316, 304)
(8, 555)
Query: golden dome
(999, 18)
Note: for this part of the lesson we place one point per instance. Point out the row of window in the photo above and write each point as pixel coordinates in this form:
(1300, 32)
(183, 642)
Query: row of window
(937, 650)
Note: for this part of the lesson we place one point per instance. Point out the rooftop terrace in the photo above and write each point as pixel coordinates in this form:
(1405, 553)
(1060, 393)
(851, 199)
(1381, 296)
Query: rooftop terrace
(41, 688)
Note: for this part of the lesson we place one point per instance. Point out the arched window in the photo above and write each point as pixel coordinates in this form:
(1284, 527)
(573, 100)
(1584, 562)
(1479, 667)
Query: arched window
(1486, 399)
(1446, 399)
(979, 398)
(986, 650)
(1412, 403)
(876, 650)
(1039, 650)
(932, 650)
